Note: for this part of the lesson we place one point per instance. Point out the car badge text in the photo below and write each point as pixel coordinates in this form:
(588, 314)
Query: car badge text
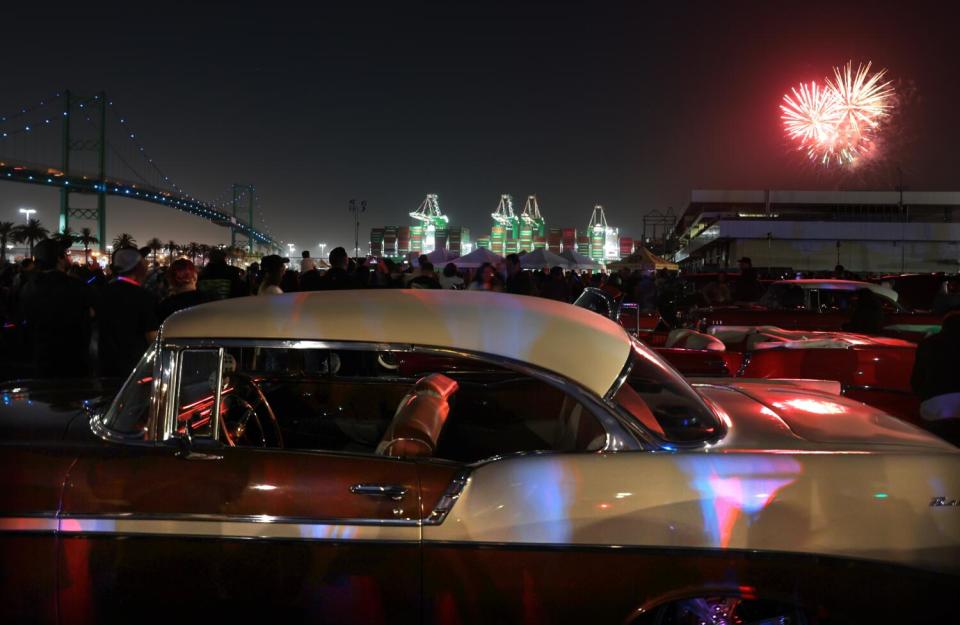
(943, 502)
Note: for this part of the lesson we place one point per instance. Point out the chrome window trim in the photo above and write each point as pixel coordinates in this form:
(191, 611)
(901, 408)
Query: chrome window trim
(619, 436)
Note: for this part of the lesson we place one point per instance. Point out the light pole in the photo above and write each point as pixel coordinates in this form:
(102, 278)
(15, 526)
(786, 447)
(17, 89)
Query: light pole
(323, 247)
(291, 248)
(353, 208)
(27, 212)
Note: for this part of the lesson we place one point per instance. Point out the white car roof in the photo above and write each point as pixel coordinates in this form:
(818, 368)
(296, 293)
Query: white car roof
(562, 338)
(842, 285)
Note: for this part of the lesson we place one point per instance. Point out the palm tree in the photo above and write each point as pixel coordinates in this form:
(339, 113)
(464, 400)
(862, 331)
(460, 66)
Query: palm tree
(155, 245)
(204, 250)
(193, 249)
(32, 231)
(7, 233)
(86, 239)
(124, 240)
(171, 247)
(67, 237)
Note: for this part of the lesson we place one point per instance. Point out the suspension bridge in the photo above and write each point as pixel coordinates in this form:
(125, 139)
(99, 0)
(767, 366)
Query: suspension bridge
(84, 147)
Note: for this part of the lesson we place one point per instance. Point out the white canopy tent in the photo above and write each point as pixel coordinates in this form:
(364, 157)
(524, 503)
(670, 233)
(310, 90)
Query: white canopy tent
(440, 257)
(476, 258)
(579, 261)
(543, 259)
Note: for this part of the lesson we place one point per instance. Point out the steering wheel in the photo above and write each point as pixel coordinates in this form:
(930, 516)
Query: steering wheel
(247, 399)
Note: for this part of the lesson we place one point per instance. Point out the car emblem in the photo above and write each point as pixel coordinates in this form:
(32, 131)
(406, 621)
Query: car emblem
(943, 502)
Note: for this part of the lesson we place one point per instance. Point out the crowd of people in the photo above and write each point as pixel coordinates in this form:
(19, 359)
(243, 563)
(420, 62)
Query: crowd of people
(75, 320)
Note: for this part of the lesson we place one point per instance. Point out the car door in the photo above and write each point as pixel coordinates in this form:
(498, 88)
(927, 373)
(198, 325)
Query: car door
(207, 530)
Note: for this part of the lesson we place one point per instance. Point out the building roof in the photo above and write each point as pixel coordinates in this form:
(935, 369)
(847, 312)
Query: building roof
(565, 339)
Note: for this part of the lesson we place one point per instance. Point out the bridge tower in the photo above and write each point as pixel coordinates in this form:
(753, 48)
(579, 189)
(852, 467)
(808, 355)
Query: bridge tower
(239, 190)
(73, 144)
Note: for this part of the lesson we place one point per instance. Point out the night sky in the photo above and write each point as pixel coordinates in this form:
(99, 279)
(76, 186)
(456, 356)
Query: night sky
(576, 103)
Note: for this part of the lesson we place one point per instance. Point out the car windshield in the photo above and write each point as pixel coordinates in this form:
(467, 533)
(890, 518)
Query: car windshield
(130, 410)
(663, 403)
(783, 297)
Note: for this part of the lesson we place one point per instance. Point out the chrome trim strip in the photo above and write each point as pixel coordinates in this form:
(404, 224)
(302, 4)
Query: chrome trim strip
(241, 518)
(265, 528)
(28, 524)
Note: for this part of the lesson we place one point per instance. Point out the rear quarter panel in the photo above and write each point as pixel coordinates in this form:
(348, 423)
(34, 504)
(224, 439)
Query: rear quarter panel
(617, 515)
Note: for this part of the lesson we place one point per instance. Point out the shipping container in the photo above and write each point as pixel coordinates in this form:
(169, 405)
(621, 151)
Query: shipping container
(626, 246)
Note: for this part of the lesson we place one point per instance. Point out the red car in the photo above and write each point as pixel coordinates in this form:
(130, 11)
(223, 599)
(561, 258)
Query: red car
(818, 305)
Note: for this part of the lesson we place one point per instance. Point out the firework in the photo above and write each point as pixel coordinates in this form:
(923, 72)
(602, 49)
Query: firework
(838, 122)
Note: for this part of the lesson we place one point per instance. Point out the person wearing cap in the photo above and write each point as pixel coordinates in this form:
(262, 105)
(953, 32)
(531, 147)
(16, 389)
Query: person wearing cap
(182, 282)
(218, 280)
(58, 310)
(273, 267)
(127, 315)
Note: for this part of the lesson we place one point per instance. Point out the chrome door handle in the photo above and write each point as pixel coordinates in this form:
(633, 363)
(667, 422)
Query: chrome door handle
(393, 491)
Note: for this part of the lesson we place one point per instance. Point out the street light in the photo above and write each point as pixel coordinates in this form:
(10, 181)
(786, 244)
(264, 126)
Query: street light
(292, 248)
(27, 212)
(323, 247)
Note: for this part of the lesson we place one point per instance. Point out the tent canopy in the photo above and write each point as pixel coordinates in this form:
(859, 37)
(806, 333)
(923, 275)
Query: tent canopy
(440, 257)
(542, 258)
(476, 258)
(579, 261)
(644, 260)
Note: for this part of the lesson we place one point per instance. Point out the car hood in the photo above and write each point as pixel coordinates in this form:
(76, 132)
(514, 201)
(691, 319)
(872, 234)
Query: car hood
(781, 416)
(51, 410)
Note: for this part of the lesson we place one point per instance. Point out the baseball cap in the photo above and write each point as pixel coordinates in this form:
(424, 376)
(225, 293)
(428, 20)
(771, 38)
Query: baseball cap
(126, 259)
(268, 263)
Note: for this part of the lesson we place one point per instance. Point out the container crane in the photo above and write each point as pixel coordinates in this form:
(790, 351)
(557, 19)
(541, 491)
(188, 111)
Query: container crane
(430, 219)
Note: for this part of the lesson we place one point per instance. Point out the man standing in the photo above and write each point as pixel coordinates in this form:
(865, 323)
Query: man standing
(218, 280)
(748, 285)
(58, 310)
(127, 315)
(337, 277)
(519, 281)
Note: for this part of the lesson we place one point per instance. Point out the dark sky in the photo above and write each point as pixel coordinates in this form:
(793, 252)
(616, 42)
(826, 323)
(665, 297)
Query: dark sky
(575, 102)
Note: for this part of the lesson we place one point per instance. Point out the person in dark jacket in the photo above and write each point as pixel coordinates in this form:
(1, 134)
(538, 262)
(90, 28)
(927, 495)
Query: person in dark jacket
(935, 379)
(555, 287)
(127, 315)
(748, 287)
(519, 282)
(338, 276)
(218, 280)
(58, 309)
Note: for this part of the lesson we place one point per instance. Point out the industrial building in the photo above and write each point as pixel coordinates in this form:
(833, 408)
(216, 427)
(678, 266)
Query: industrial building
(865, 231)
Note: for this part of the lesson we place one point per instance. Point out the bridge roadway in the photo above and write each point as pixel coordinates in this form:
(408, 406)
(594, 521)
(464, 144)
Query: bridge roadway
(32, 174)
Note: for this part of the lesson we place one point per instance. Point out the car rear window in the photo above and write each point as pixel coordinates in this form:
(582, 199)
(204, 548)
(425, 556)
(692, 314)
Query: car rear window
(663, 403)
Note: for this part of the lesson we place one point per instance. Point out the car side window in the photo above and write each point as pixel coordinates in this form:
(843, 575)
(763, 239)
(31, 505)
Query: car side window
(359, 401)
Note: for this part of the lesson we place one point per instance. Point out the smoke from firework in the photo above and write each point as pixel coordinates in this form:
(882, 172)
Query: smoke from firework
(839, 122)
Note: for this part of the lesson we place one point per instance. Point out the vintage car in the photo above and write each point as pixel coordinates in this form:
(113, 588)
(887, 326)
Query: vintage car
(817, 305)
(460, 457)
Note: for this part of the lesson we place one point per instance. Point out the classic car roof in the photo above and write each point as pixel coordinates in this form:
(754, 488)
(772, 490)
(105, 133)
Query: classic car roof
(568, 340)
(842, 285)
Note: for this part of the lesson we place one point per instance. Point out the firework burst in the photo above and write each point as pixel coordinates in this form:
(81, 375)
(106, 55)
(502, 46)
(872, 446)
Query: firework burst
(837, 123)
